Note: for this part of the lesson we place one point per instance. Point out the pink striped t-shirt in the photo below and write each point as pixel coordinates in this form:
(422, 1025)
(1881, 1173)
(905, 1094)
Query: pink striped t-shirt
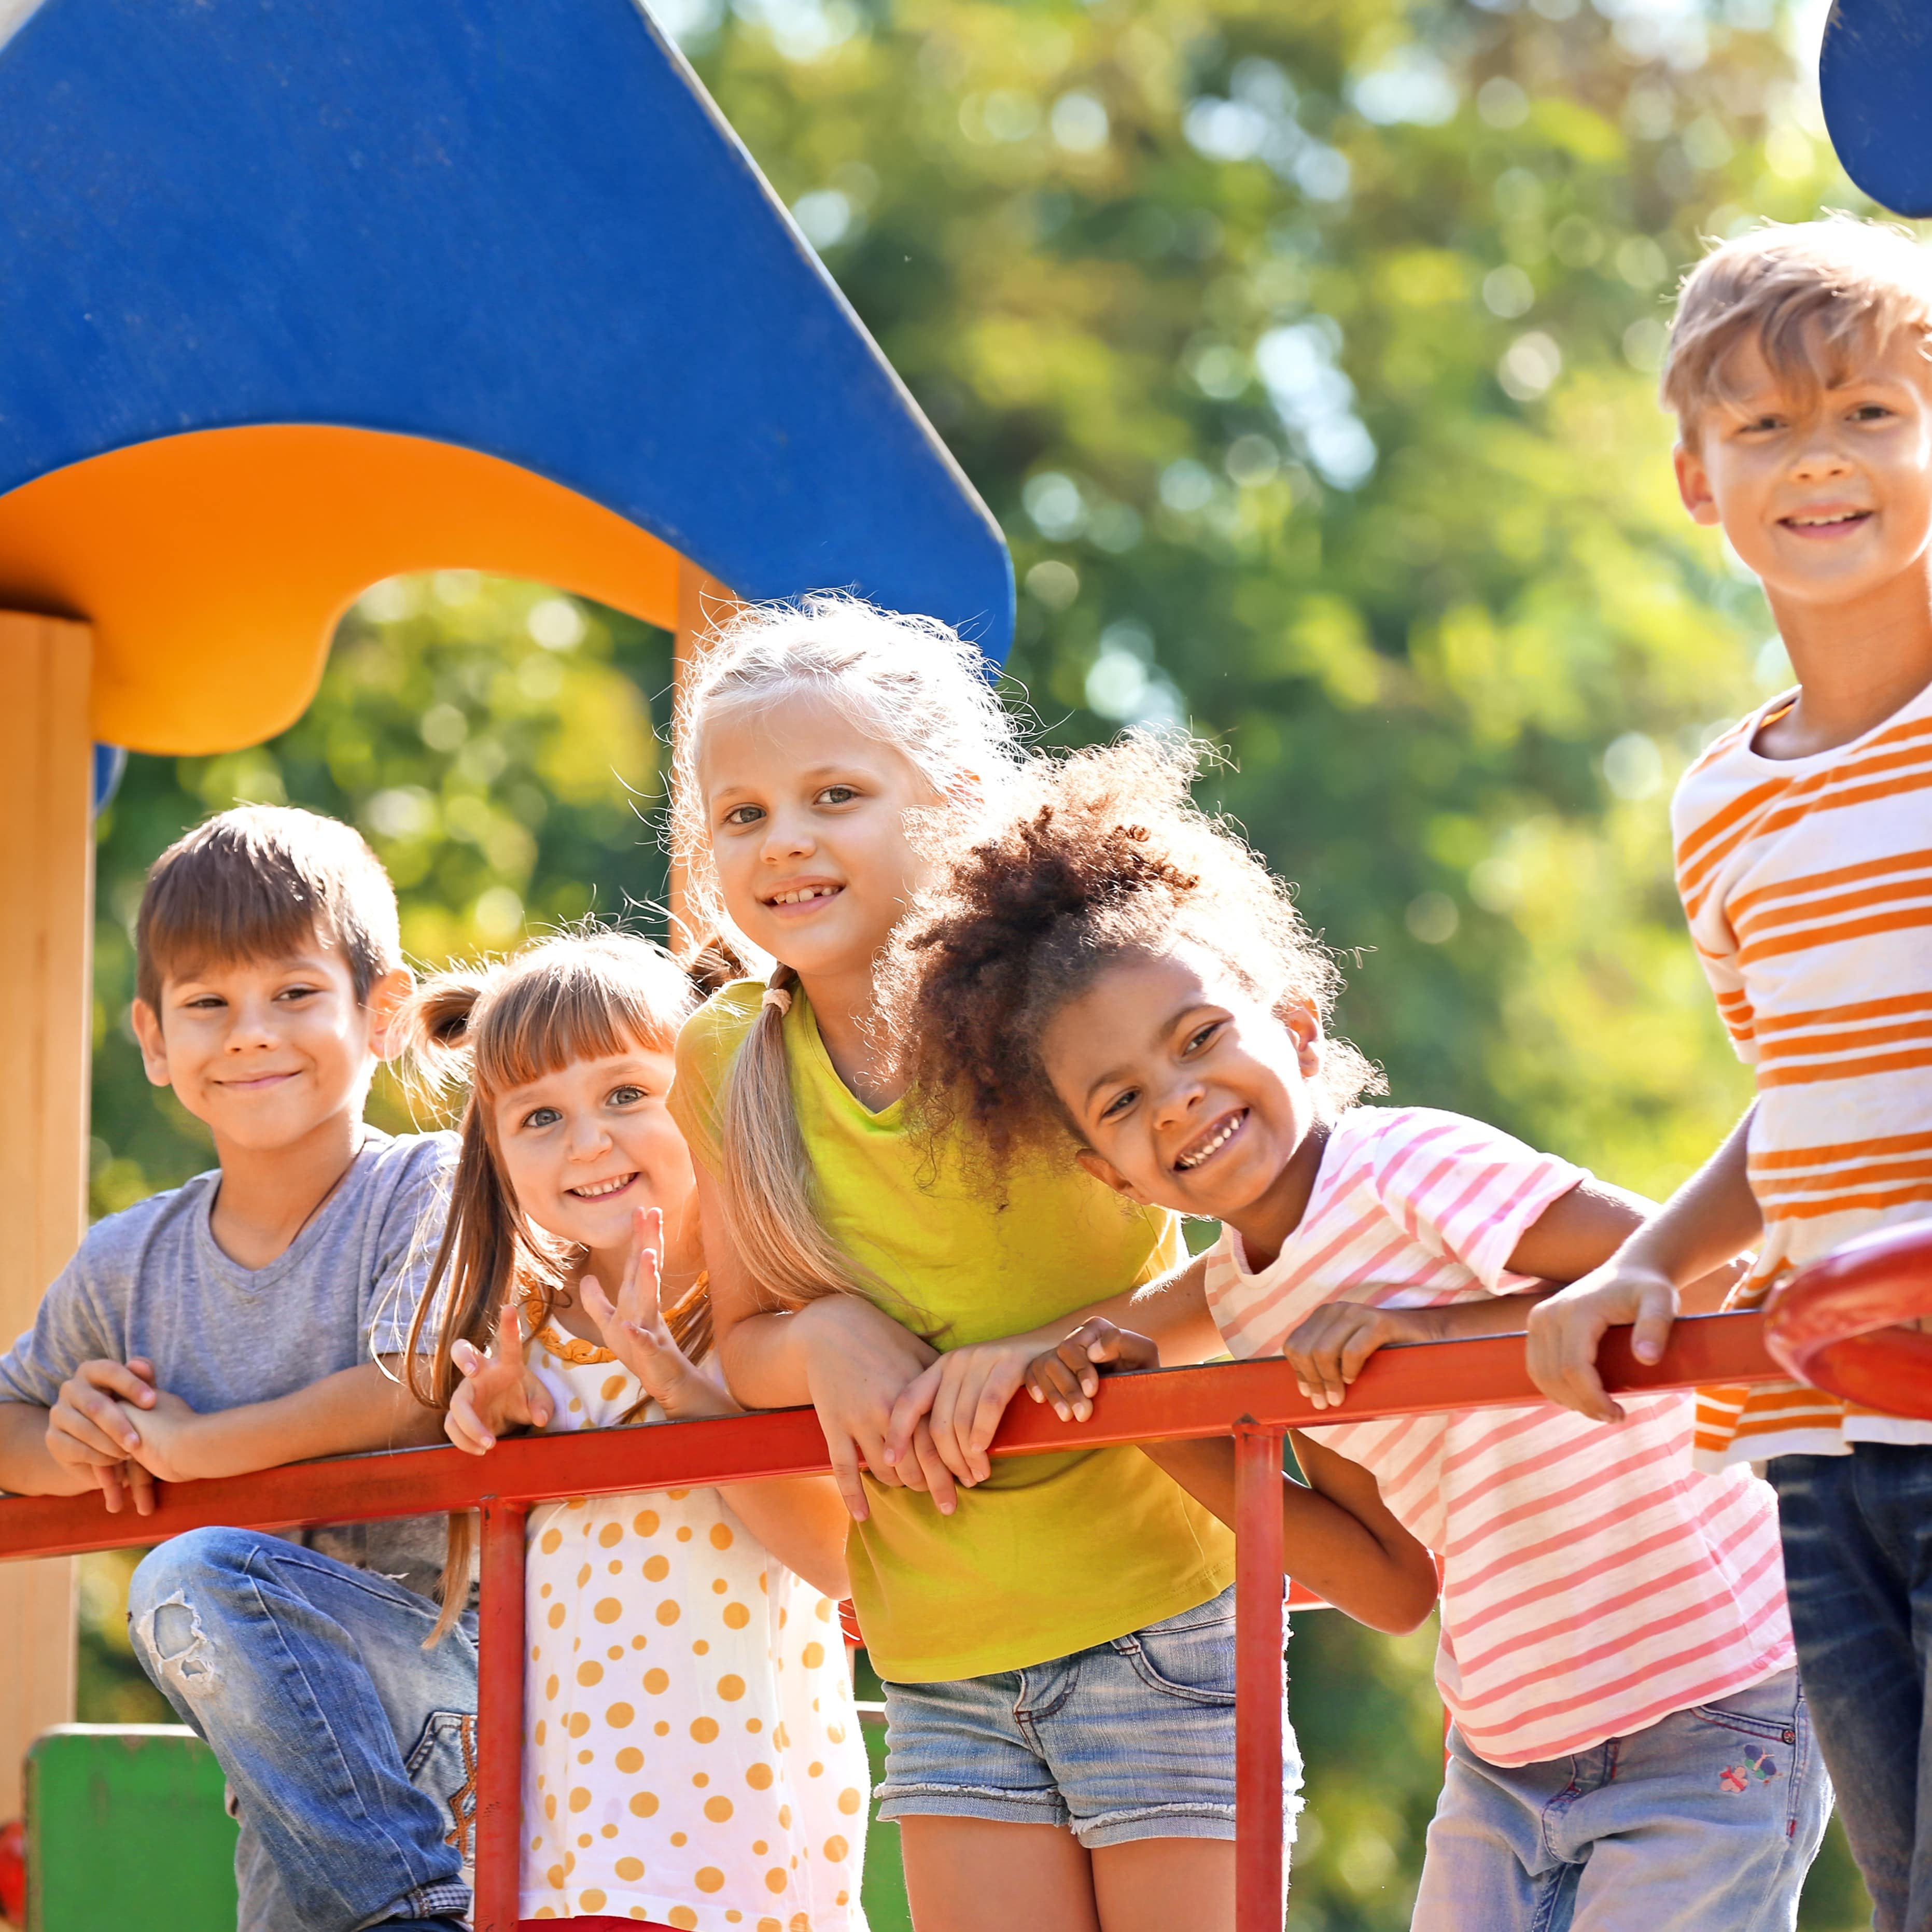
(1593, 1581)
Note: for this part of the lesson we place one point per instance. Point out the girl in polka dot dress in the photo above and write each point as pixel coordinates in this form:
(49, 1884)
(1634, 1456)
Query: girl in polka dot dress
(691, 1753)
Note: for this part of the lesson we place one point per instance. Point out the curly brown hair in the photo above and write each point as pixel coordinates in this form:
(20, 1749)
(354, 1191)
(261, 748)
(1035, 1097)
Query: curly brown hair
(1108, 857)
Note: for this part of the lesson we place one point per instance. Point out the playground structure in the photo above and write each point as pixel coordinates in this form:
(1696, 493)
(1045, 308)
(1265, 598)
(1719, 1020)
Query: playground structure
(504, 293)
(294, 308)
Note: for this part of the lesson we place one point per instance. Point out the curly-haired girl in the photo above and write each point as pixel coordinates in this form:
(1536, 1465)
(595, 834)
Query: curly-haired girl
(1114, 977)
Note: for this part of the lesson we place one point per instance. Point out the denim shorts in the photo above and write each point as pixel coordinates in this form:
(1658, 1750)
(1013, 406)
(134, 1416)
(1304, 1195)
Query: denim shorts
(1133, 1739)
(1704, 1821)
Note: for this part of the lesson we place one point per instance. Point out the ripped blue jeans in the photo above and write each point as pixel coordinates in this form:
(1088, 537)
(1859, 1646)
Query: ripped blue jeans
(349, 1750)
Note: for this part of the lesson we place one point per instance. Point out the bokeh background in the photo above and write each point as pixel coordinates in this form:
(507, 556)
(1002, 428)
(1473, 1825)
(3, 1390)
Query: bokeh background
(1306, 354)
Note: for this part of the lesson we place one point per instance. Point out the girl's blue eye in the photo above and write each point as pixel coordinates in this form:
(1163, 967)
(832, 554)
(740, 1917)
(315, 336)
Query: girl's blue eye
(541, 1117)
(627, 1097)
(838, 795)
(743, 815)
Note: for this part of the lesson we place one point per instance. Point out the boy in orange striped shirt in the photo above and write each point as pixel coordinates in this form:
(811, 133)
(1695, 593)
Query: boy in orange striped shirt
(1799, 372)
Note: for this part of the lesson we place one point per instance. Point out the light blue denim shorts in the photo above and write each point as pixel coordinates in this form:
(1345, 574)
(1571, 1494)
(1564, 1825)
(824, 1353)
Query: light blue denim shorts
(1134, 1738)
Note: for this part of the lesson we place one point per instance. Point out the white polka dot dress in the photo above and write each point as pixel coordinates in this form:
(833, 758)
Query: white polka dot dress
(691, 1755)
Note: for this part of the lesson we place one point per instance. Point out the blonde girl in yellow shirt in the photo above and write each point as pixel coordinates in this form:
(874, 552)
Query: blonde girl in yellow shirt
(1057, 1642)
(691, 1756)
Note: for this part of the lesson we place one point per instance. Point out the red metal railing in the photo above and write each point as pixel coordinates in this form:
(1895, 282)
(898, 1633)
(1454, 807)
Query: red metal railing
(1255, 1401)
(1822, 1324)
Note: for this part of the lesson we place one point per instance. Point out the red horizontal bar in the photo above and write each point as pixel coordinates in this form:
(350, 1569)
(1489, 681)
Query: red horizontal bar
(1420, 1378)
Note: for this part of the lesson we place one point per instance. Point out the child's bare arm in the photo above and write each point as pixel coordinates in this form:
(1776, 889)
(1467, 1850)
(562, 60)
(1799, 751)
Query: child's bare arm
(1339, 1539)
(849, 1360)
(1710, 1219)
(364, 1408)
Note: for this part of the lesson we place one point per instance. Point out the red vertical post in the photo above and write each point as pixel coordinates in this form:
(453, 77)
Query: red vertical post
(499, 1717)
(1258, 1870)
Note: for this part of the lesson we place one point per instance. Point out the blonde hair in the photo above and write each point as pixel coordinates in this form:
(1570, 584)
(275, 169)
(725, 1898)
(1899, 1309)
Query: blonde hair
(912, 683)
(586, 994)
(1809, 295)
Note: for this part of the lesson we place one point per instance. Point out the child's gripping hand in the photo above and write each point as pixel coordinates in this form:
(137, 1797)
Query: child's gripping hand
(959, 1400)
(498, 1391)
(90, 1428)
(1329, 1349)
(1566, 1330)
(634, 1329)
(1068, 1375)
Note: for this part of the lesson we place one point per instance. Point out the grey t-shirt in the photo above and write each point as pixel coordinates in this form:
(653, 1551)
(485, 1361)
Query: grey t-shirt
(152, 1281)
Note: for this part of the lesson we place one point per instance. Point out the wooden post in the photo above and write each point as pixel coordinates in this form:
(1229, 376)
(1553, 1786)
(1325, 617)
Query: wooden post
(702, 604)
(47, 1009)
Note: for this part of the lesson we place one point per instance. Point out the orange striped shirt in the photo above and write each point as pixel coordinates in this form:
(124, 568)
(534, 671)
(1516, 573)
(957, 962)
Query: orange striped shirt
(1807, 883)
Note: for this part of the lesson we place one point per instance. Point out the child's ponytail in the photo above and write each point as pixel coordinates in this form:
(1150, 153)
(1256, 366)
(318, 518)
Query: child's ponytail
(768, 1173)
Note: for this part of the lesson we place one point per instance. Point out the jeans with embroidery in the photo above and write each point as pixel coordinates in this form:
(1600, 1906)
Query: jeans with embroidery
(1705, 1821)
(349, 1750)
(1857, 1569)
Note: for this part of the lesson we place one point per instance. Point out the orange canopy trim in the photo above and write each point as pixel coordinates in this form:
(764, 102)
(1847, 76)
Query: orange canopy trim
(215, 567)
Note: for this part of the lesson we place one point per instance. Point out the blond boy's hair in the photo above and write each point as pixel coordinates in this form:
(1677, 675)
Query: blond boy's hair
(1809, 295)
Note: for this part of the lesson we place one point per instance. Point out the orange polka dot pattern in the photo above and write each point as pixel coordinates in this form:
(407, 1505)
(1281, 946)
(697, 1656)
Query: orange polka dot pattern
(691, 1754)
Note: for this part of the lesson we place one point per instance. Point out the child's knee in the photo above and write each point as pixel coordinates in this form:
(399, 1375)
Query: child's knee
(175, 1599)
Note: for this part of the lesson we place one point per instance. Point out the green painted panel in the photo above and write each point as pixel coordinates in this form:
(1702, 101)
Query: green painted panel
(126, 1826)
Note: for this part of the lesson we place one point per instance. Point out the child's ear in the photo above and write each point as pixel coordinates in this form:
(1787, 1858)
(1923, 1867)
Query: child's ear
(1693, 485)
(1304, 1026)
(154, 1047)
(386, 999)
(1111, 1176)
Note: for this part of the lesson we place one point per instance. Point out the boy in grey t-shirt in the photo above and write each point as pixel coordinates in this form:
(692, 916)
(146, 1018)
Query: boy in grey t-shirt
(243, 1321)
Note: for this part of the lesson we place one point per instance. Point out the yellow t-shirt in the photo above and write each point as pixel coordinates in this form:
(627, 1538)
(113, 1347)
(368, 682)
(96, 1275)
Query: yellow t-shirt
(1056, 1552)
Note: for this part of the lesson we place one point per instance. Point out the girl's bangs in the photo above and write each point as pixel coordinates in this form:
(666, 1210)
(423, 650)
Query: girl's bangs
(543, 1021)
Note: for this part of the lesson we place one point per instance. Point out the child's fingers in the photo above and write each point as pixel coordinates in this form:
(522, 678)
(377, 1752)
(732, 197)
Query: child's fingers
(1657, 1309)
(1001, 1384)
(597, 1304)
(913, 1405)
(537, 1402)
(851, 1485)
(464, 1354)
(938, 1484)
(1051, 1378)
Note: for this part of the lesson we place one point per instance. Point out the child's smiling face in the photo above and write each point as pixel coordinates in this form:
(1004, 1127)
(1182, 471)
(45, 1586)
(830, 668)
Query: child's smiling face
(1827, 497)
(266, 1052)
(585, 1148)
(808, 823)
(1189, 1092)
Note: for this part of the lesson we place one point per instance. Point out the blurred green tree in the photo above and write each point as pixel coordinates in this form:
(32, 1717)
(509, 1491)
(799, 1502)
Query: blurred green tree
(1307, 357)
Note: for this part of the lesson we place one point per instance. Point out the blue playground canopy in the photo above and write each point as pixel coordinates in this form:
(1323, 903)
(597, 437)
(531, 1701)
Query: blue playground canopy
(513, 228)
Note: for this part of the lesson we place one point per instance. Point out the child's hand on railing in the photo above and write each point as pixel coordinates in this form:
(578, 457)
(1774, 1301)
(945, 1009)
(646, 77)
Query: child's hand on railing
(499, 1391)
(634, 1329)
(1329, 1349)
(958, 1402)
(90, 1428)
(167, 1446)
(1068, 1375)
(1566, 1331)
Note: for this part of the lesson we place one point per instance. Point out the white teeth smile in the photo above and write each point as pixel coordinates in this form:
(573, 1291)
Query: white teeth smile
(804, 893)
(1194, 1158)
(597, 1189)
(1823, 522)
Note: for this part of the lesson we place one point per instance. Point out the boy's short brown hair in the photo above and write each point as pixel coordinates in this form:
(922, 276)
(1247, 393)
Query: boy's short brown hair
(260, 881)
(1809, 294)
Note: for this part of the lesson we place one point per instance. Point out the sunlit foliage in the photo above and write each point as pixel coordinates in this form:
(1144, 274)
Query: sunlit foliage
(1306, 354)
